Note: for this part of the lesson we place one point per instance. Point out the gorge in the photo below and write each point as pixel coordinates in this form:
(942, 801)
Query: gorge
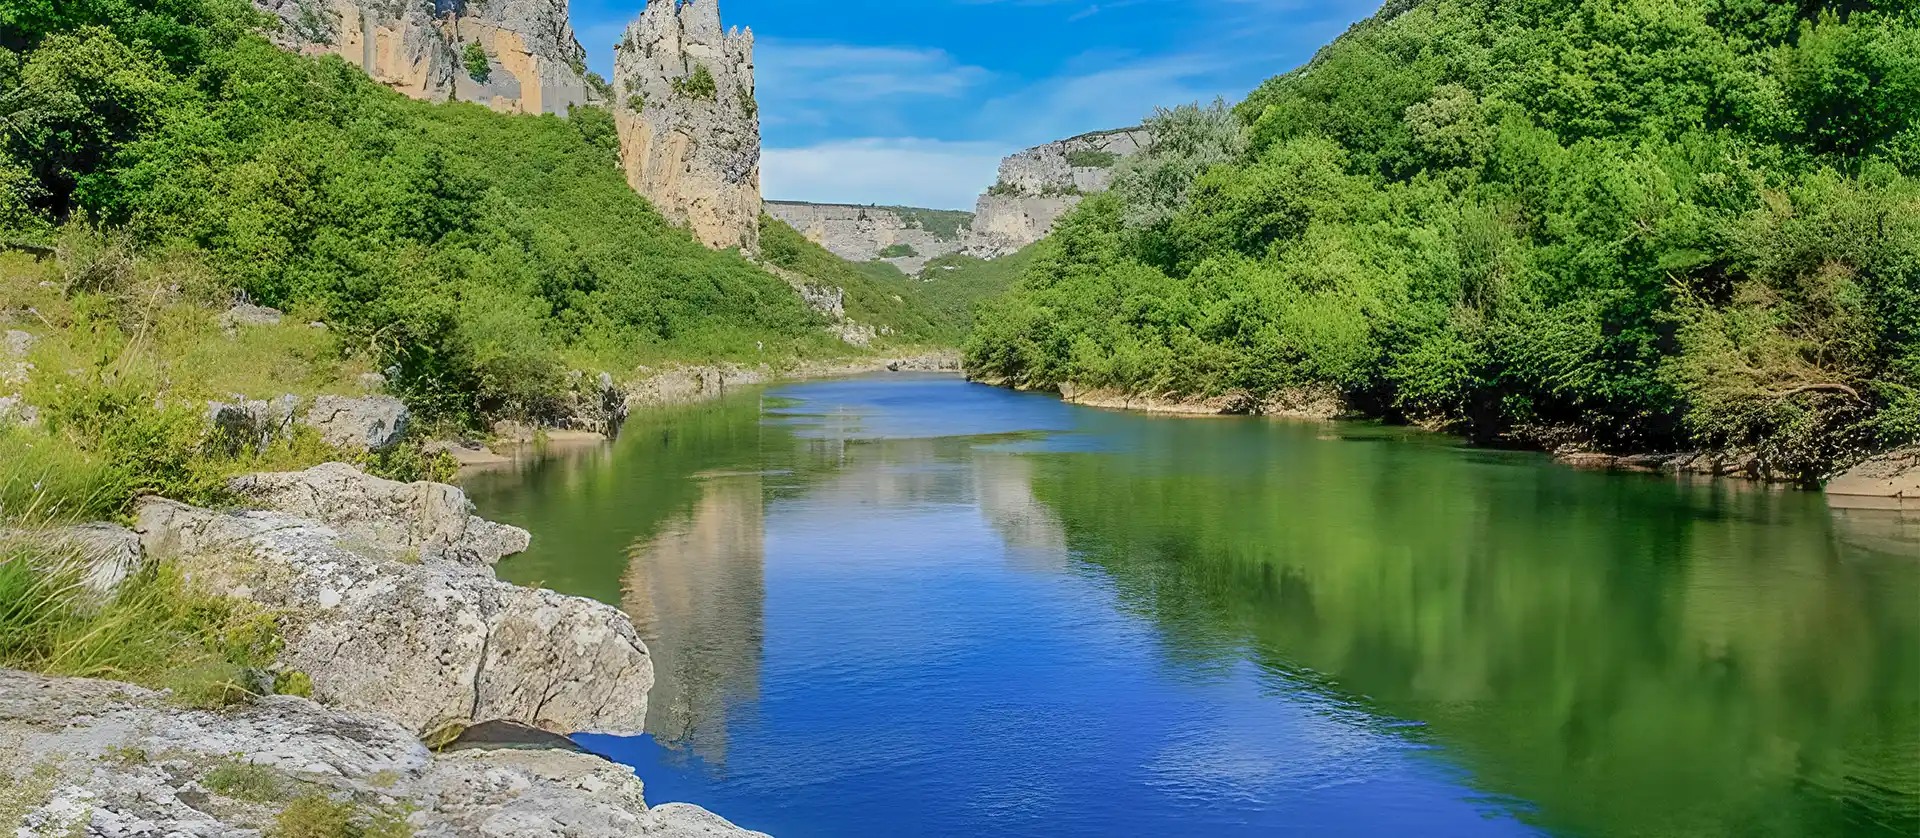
(407, 433)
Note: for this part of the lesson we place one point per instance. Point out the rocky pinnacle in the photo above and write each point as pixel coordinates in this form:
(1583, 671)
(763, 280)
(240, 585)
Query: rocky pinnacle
(689, 126)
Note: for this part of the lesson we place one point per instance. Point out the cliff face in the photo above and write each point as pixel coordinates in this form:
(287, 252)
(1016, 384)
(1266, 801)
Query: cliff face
(1039, 185)
(689, 127)
(907, 237)
(419, 47)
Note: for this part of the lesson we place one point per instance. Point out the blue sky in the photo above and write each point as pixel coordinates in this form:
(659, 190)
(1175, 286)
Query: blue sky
(865, 101)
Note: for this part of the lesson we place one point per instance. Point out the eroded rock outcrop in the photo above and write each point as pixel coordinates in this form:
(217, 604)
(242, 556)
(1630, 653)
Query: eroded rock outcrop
(426, 644)
(372, 423)
(906, 237)
(431, 523)
(420, 48)
(84, 757)
(1039, 185)
(689, 125)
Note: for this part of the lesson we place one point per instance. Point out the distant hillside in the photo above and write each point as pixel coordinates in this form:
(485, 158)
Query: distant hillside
(905, 237)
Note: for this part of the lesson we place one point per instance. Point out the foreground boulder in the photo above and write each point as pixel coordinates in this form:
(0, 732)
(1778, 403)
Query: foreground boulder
(428, 645)
(429, 522)
(1895, 474)
(84, 757)
(372, 423)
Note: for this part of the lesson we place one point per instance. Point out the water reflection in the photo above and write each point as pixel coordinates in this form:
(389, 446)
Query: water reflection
(1237, 627)
(696, 593)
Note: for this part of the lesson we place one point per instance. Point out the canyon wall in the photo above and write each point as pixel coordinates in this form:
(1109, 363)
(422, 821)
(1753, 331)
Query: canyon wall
(689, 126)
(907, 237)
(1039, 185)
(419, 47)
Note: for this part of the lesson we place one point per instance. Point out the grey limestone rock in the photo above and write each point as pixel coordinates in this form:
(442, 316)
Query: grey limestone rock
(426, 645)
(373, 423)
(254, 423)
(15, 411)
(689, 125)
(428, 522)
(534, 63)
(862, 234)
(1041, 184)
(247, 314)
(17, 344)
(112, 760)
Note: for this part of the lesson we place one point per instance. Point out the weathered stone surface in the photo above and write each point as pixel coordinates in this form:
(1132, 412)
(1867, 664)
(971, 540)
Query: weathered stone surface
(254, 423)
(418, 48)
(594, 403)
(105, 759)
(246, 314)
(15, 411)
(17, 344)
(425, 645)
(695, 153)
(863, 233)
(427, 522)
(1039, 185)
(374, 423)
(1895, 474)
(371, 382)
(103, 556)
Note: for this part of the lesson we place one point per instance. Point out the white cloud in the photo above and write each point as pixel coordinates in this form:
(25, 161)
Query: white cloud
(843, 73)
(901, 171)
(1115, 95)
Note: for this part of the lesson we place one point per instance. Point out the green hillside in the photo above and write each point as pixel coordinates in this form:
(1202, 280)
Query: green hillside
(1630, 225)
(475, 257)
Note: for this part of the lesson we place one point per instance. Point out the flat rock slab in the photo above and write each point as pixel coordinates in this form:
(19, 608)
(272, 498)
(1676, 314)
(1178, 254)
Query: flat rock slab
(98, 758)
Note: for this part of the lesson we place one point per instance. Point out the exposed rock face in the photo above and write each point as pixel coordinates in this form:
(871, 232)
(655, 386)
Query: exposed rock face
(689, 126)
(17, 344)
(863, 234)
(253, 423)
(374, 423)
(1041, 184)
(429, 522)
(1895, 474)
(594, 403)
(426, 645)
(418, 47)
(246, 314)
(99, 758)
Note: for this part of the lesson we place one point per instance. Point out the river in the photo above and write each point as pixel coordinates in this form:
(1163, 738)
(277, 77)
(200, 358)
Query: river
(910, 605)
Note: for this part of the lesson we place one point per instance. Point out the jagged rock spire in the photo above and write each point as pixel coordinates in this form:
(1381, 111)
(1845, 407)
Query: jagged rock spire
(689, 126)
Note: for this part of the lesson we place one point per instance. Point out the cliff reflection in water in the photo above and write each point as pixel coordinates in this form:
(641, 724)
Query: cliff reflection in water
(696, 592)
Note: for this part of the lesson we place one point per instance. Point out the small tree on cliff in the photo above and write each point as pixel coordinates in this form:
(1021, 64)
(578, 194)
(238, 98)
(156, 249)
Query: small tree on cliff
(478, 67)
(698, 84)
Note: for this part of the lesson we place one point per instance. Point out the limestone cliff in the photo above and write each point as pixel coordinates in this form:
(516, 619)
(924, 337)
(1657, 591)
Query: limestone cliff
(1039, 185)
(420, 48)
(907, 237)
(689, 126)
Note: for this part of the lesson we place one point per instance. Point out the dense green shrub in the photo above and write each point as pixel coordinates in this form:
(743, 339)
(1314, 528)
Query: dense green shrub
(898, 250)
(474, 57)
(1629, 226)
(472, 256)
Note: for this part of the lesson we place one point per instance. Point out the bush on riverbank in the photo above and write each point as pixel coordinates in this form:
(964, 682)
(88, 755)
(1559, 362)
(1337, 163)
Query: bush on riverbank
(1692, 224)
